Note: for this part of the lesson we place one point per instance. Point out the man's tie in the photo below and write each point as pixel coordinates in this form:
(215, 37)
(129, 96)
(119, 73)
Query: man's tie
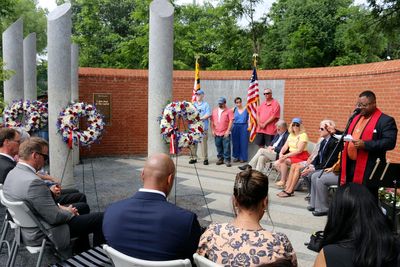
(321, 150)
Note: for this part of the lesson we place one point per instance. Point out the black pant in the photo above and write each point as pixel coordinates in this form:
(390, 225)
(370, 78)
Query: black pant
(81, 226)
(74, 197)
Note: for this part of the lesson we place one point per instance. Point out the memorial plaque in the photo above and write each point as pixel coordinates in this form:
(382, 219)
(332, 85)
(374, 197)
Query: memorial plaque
(103, 105)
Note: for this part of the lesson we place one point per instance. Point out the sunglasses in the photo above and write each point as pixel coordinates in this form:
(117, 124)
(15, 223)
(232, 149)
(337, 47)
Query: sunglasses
(267, 93)
(45, 156)
(295, 124)
(322, 129)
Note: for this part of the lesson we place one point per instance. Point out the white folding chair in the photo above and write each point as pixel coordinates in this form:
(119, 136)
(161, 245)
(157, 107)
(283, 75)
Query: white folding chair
(22, 218)
(203, 261)
(119, 259)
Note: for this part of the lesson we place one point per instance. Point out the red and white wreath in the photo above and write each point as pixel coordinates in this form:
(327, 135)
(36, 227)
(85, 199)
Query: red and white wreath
(29, 115)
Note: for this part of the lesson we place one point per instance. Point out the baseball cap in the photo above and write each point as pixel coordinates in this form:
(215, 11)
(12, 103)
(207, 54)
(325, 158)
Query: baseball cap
(296, 120)
(221, 100)
(199, 92)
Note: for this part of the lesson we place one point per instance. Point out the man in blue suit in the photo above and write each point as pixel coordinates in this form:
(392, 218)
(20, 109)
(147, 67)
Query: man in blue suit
(147, 226)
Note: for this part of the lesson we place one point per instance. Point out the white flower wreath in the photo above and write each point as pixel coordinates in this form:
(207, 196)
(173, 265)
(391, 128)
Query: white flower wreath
(29, 115)
(68, 124)
(188, 112)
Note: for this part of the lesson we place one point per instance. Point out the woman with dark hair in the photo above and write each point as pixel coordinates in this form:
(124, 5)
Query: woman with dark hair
(356, 233)
(244, 242)
(240, 135)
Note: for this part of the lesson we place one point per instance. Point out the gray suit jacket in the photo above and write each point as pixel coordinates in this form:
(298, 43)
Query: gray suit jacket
(22, 184)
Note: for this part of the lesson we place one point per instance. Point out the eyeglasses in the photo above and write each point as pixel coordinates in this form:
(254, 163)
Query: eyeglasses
(322, 129)
(238, 102)
(45, 156)
(295, 124)
(16, 141)
(268, 93)
(361, 105)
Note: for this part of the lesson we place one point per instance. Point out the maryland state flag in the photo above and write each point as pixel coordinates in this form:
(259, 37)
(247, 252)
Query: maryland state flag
(196, 86)
(252, 103)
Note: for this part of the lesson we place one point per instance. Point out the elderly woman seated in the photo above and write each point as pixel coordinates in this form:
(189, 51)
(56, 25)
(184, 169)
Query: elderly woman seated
(249, 244)
(294, 150)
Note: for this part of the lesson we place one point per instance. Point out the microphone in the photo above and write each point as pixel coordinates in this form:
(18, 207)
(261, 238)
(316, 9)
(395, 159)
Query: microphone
(355, 113)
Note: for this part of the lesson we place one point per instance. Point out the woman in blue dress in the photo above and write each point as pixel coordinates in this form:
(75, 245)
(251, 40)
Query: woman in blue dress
(240, 135)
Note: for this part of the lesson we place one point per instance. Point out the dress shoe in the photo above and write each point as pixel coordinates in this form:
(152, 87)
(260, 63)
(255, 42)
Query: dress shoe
(319, 213)
(307, 198)
(244, 167)
(242, 161)
(228, 164)
(235, 160)
(205, 162)
(220, 162)
(309, 208)
(192, 161)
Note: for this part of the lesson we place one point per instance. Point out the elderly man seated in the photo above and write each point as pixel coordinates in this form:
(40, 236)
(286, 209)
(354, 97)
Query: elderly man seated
(147, 226)
(62, 222)
(270, 153)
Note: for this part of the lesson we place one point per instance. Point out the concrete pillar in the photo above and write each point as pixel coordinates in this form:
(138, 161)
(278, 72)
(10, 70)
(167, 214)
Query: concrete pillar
(13, 59)
(75, 89)
(160, 69)
(30, 91)
(59, 89)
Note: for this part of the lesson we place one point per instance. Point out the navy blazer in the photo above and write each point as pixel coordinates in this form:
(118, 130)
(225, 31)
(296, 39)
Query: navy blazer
(6, 165)
(329, 147)
(148, 227)
(281, 143)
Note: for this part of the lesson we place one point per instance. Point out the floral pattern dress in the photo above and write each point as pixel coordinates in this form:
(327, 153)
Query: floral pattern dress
(231, 246)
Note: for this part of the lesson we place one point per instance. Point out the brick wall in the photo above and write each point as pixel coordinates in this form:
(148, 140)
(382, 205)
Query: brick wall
(312, 94)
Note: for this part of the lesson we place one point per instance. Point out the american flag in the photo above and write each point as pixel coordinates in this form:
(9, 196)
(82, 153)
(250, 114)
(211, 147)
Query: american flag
(196, 86)
(252, 103)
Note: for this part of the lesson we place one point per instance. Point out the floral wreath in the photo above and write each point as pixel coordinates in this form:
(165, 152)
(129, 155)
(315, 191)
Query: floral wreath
(68, 124)
(29, 115)
(188, 112)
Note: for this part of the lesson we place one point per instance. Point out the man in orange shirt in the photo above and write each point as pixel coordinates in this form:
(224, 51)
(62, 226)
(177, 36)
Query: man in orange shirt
(221, 124)
(373, 134)
(268, 113)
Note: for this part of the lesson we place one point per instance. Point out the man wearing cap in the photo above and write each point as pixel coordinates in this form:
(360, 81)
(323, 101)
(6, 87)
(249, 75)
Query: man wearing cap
(268, 114)
(221, 124)
(205, 112)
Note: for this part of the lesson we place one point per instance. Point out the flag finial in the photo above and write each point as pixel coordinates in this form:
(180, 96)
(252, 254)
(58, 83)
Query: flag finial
(255, 55)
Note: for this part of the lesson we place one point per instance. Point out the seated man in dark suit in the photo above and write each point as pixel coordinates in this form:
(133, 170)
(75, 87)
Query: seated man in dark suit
(271, 152)
(9, 145)
(147, 226)
(62, 222)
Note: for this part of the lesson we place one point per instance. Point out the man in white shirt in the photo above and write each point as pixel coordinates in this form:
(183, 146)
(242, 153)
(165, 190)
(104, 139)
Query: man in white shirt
(9, 145)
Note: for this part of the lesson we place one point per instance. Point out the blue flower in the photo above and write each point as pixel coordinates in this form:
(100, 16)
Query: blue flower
(244, 237)
(241, 259)
(226, 257)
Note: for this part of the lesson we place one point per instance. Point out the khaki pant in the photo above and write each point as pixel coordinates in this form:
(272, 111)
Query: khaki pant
(262, 156)
(204, 149)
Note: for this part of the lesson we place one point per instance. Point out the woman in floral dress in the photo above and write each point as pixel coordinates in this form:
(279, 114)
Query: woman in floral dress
(244, 242)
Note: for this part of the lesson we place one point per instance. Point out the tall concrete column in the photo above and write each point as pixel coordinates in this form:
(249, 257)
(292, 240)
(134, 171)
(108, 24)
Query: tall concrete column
(160, 69)
(75, 89)
(30, 91)
(13, 59)
(59, 88)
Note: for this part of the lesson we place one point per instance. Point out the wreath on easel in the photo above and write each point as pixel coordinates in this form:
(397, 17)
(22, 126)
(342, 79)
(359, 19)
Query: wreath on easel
(29, 115)
(169, 123)
(68, 124)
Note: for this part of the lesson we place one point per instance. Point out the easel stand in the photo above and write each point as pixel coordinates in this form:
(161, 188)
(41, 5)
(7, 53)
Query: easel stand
(387, 175)
(176, 154)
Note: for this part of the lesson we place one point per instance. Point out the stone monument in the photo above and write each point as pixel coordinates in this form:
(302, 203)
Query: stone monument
(30, 90)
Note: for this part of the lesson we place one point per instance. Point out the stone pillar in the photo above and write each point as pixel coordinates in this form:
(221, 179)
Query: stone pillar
(75, 89)
(59, 89)
(13, 59)
(160, 69)
(30, 90)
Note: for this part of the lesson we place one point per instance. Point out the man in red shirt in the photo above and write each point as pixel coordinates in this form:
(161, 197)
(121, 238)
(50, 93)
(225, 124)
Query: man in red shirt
(268, 113)
(221, 124)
